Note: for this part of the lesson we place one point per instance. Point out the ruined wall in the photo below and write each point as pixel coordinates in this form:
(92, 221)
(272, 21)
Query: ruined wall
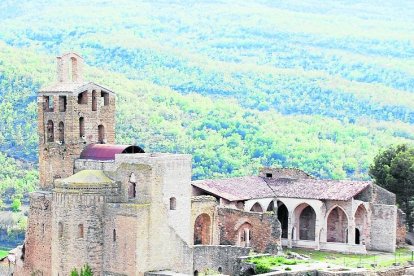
(383, 227)
(382, 196)
(37, 257)
(265, 229)
(205, 205)
(220, 258)
(401, 228)
(71, 246)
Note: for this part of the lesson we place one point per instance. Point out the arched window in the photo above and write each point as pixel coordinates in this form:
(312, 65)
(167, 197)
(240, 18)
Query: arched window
(256, 208)
(80, 231)
(94, 101)
(74, 73)
(202, 229)
(132, 189)
(337, 226)
(114, 235)
(50, 137)
(173, 203)
(101, 134)
(244, 235)
(61, 130)
(60, 230)
(81, 127)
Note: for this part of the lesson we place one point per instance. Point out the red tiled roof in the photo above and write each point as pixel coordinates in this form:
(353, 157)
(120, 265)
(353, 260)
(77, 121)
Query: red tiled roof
(243, 188)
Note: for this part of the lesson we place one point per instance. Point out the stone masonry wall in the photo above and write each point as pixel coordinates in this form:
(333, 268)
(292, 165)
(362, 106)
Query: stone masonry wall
(383, 227)
(37, 257)
(71, 246)
(401, 228)
(220, 258)
(205, 205)
(265, 233)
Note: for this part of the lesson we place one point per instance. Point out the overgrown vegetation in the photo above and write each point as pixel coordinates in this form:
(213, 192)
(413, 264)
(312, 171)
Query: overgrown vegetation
(266, 263)
(84, 271)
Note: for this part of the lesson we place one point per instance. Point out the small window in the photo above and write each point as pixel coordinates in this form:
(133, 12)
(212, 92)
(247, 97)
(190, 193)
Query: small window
(269, 175)
(105, 96)
(61, 130)
(60, 230)
(114, 235)
(101, 134)
(83, 97)
(48, 103)
(94, 101)
(80, 231)
(50, 137)
(220, 269)
(43, 229)
(173, 203)
(81, 127)
(62, 103)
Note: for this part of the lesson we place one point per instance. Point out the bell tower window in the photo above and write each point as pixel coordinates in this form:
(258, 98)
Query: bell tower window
(105, 96)
(62, 103)
(101, 134)
(81, 127)
(61, 129)
(83, 97)
(94, 101)
(50, 131)
(48, 103)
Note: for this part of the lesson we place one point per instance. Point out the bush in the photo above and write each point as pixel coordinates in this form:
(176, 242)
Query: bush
(16, 205)
(85, 271)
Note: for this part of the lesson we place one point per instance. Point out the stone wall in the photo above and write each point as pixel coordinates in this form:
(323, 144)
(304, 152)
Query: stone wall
(37, 256)
(219, 258)
(383, 227)
(265, 229)
(77, 232)
(401, 228)
(382, 196)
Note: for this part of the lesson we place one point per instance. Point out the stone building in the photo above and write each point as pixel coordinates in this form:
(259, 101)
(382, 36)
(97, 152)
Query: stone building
(127, 212)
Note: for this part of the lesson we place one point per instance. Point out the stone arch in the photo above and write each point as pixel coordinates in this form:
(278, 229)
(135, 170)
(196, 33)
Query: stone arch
(61, 129)
(271, 206)
(256, 208)
(50, 131)
(305, 221)
(81, 127)
(337, 225)
(283, 217)
(244, 235)
(173, 203)
(101, 134)
(361, 224)
(202, 227)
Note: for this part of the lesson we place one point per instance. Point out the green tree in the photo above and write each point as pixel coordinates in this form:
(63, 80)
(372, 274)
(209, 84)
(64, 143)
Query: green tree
(85, 271)
(16, 205)
(393, 169)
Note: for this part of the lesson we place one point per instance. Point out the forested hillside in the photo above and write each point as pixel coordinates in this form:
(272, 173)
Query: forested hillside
(317, 85)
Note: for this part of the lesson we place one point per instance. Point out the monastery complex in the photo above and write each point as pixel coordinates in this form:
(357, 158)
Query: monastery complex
(127, 212)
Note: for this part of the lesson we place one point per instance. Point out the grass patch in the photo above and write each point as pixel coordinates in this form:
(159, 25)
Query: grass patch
(368, 261)
(265, 264)
(3, 253)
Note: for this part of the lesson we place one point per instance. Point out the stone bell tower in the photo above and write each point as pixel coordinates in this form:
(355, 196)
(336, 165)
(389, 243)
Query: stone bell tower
(72, 113)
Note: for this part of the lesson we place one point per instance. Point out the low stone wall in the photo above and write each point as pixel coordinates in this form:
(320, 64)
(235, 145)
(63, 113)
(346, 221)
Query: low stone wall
(220, 258)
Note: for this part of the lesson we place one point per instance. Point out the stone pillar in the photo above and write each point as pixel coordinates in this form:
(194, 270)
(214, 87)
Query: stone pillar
(351, 231)
(290, 226)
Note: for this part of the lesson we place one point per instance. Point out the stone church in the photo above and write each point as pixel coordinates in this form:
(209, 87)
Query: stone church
(127, 212)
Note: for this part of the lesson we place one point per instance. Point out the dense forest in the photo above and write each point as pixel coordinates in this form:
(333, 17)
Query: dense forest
(317, 85)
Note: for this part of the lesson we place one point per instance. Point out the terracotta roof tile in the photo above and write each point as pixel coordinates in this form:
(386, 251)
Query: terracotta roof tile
(243, 188)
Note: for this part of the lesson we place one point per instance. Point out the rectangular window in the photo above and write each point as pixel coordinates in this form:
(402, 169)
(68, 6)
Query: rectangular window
(269, 175)
(105, 96)
(62, 103)
(48, 103)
